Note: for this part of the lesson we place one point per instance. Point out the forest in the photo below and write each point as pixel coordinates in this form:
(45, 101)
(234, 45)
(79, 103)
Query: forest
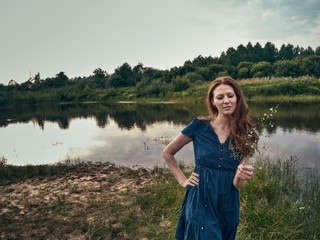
(243, 62)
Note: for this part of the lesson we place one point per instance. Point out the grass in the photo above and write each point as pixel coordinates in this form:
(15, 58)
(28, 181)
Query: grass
(302, 98)
(18, 173)
(255, 89)
(281, 201)
(288, 89)
(301, 89)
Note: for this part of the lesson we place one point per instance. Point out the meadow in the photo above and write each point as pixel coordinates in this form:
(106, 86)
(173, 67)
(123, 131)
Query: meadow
(107, 201)
(255, 89)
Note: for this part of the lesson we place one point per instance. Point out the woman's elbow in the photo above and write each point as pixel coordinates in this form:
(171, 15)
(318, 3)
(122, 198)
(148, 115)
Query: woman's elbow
(165, 154)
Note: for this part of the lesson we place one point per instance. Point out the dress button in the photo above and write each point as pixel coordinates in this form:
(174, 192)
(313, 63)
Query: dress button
(219, 166)
(202, 228)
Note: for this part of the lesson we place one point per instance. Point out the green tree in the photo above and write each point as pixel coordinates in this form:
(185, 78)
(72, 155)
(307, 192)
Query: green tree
(155, 87)
(297, 50)
(37, 78)
(244, 69)
(152, 73)
(310, 65)
(61, 79)
(283, 68)
(242, 52)
(99, 73)
(193, 77)
(204, 72)
(122, 77)
(270, 53)
(308, 51)
(100, 77)
(223, 73)
(186, 68)
(137, 73)
(286, 52)
(116, 81)
(262, 69)
(250, 52)
(180, 84)
(232, 57)
(257, 52)
(201, 61)
(214, 69)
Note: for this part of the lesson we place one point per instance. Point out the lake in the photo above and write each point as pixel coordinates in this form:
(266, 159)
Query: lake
(135, 134)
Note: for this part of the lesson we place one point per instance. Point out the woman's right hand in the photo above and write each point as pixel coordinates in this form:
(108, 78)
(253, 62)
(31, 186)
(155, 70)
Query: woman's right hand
(193, 180)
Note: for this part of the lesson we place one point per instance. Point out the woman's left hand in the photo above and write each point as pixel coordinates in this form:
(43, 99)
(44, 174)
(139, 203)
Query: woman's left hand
(245, 172)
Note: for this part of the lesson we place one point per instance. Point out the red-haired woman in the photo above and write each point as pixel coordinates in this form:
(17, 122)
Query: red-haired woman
(222, 142)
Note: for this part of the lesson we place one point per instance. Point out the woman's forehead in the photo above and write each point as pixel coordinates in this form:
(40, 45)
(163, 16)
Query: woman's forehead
(222, 89)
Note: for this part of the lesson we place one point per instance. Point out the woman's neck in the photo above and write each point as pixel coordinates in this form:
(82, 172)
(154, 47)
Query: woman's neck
(223, 122)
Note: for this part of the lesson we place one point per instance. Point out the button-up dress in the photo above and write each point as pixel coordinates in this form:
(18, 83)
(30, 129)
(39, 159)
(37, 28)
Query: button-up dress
(210, 210)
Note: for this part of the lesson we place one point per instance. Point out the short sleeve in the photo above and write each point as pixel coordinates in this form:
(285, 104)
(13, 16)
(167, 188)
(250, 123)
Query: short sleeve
(189, 130)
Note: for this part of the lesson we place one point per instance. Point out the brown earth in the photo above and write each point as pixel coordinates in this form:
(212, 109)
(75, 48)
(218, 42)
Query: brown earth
(45, 207)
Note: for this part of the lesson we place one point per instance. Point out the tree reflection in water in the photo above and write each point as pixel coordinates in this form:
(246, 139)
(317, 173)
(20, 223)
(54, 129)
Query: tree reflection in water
(290, 118)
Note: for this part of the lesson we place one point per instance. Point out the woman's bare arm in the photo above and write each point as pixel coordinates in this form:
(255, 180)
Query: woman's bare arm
(168, 154)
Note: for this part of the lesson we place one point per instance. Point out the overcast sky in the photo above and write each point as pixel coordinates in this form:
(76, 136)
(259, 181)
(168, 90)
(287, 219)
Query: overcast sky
(78, 36)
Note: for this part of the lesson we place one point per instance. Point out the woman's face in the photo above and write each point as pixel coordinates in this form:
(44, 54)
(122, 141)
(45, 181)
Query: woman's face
(225, 99)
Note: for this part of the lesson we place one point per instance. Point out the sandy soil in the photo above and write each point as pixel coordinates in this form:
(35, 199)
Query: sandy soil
(25, 202)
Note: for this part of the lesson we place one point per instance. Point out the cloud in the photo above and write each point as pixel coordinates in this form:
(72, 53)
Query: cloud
(271, 19)
(77, 36)
(282, 18)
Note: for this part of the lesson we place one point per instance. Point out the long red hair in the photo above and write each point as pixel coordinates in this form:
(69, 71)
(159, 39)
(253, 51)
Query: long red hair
(242, 133)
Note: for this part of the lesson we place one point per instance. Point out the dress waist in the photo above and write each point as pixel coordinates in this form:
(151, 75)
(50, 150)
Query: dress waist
(213, 166)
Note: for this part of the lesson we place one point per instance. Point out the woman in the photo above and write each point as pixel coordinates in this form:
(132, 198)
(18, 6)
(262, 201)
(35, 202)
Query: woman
(221, 142)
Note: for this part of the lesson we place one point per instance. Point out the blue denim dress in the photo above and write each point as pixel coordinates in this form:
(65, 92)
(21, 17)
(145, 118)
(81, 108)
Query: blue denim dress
(210, 210)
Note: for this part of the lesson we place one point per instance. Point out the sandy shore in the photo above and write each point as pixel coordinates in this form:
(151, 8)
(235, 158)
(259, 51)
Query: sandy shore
(24, 203)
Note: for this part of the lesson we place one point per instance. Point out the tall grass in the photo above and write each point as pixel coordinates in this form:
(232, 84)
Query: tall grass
(262, 89)
(281, 87)
(281, 201)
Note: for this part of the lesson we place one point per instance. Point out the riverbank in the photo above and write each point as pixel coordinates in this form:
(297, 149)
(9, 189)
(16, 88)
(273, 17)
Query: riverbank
(303, 89)
(83, 201)
(108, 201)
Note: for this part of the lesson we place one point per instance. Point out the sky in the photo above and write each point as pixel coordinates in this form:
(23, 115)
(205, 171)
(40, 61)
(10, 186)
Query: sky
(78, 36)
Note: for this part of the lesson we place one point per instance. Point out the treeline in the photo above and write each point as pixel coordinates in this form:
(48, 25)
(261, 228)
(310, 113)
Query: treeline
(250, 61)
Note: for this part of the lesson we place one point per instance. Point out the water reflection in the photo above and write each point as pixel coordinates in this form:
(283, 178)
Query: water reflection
(136, 147)
(299, 116)
(289, 116)
(125, 115)
(127, 132)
